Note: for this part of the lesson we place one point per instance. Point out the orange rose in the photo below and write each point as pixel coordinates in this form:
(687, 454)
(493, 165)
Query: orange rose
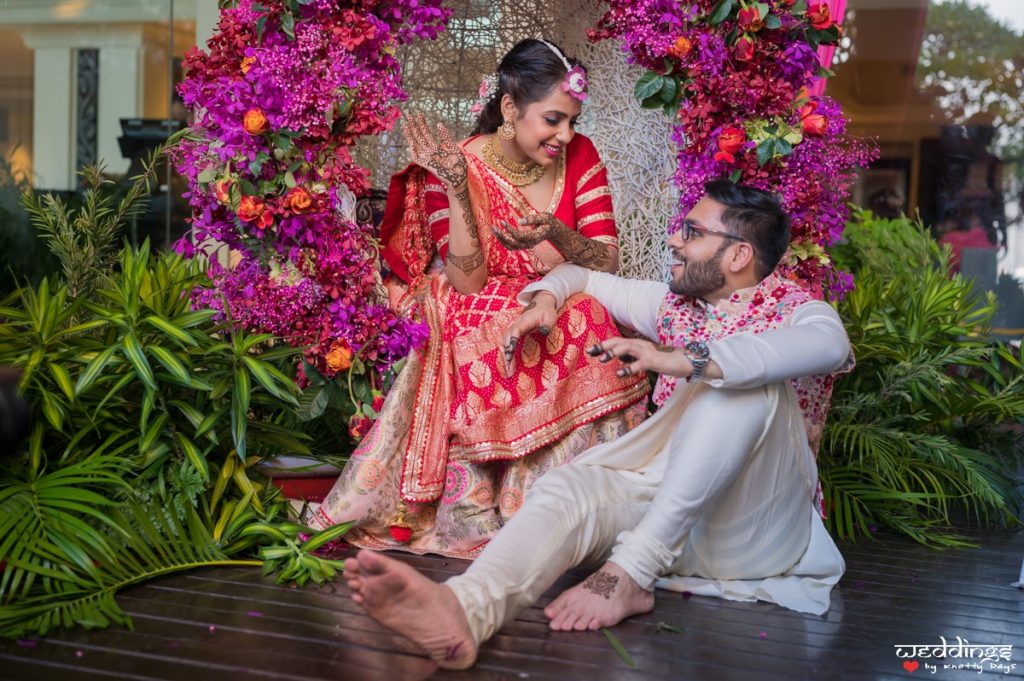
(729, 142)
(680, 48)
(253, 209)
(254, 122)
(820, 16)
(744, 49)
(813, 123)
(340, 357)
(222, 189)
(247, 63)
(298, 200)
(358, 426)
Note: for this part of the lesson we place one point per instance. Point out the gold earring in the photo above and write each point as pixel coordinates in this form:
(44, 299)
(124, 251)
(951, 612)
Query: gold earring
(507, 131)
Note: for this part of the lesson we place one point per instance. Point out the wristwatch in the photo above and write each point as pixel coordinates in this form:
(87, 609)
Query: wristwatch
(699, 355)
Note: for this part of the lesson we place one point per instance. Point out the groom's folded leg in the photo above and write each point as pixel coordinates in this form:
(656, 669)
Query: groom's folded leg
(572, 515)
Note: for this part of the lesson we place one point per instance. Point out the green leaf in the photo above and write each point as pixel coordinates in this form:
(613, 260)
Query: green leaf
(133, 352)
(93, 370)
(63, 379)
(174, 365)
(721, 12)
(619, 648)
(261, 372)
(326, 536)
(191, 319)
(206, 426)
(53, 412)
(175, 332)
(288, 24)
(240, 409)
(765, 151)
(152, 433)
(192, 453)
(312, 402)
(265, 530)
(81, 328)
(772, 22)
(648, 85)
(194, 416)
(148, 403)
(669, 90)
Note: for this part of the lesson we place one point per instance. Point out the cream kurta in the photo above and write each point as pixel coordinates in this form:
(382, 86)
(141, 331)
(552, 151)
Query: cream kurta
(715, 490)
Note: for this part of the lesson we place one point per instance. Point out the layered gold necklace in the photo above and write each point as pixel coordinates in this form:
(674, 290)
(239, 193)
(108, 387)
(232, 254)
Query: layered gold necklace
(519, 173)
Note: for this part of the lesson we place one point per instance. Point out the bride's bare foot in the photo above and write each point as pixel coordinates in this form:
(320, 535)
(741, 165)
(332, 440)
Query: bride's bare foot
(603, 599)
(410, 604)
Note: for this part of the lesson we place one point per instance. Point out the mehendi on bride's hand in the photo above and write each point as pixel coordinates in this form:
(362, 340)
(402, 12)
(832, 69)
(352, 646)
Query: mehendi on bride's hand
(441, 156)
(467, 264)
(573, 246)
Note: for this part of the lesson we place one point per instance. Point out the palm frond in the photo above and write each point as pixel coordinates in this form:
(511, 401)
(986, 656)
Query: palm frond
(165, 545)
(911, 432)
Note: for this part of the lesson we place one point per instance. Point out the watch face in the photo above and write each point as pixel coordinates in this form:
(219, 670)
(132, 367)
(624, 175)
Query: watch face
(698, 349)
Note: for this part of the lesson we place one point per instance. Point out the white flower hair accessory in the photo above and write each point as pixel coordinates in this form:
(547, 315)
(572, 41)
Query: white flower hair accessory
(488, 88)
(575, 82)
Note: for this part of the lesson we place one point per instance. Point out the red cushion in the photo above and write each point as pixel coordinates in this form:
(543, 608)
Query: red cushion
(306, 489)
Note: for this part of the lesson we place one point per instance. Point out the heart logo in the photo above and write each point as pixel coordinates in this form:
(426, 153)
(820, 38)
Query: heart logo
(911, 666)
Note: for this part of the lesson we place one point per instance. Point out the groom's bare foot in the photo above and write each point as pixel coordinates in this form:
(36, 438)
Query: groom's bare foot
(603, 599)
(410, 604)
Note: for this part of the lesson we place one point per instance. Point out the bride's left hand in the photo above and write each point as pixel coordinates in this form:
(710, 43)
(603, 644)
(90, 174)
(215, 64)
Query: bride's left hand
(531, 230)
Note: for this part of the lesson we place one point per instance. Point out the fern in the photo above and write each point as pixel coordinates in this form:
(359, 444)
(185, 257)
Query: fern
(87, 241)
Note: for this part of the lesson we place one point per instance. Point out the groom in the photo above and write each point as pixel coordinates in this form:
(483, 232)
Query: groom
(715, 490)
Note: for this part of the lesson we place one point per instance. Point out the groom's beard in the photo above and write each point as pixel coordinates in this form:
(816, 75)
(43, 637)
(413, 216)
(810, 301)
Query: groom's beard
(702, 277)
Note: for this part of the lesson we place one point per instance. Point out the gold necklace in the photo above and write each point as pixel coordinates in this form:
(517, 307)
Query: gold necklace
(519, 173)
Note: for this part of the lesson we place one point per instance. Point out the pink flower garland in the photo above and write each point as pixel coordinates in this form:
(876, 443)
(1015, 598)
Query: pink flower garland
(286, 89)
(735, 76)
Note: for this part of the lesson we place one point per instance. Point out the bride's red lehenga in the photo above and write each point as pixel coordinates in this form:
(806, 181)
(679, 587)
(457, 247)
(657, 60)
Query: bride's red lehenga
(458, 442)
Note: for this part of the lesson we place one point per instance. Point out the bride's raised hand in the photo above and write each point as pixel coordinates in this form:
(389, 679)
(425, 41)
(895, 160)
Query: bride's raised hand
(440, 155)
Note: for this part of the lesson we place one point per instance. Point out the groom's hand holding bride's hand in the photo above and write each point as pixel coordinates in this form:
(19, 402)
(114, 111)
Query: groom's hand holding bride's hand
(539, 315)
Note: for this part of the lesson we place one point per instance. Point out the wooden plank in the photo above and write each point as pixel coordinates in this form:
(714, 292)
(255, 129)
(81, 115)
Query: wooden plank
(895, 592)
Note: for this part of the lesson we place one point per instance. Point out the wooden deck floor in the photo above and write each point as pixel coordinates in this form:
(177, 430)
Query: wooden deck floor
(232, 624)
